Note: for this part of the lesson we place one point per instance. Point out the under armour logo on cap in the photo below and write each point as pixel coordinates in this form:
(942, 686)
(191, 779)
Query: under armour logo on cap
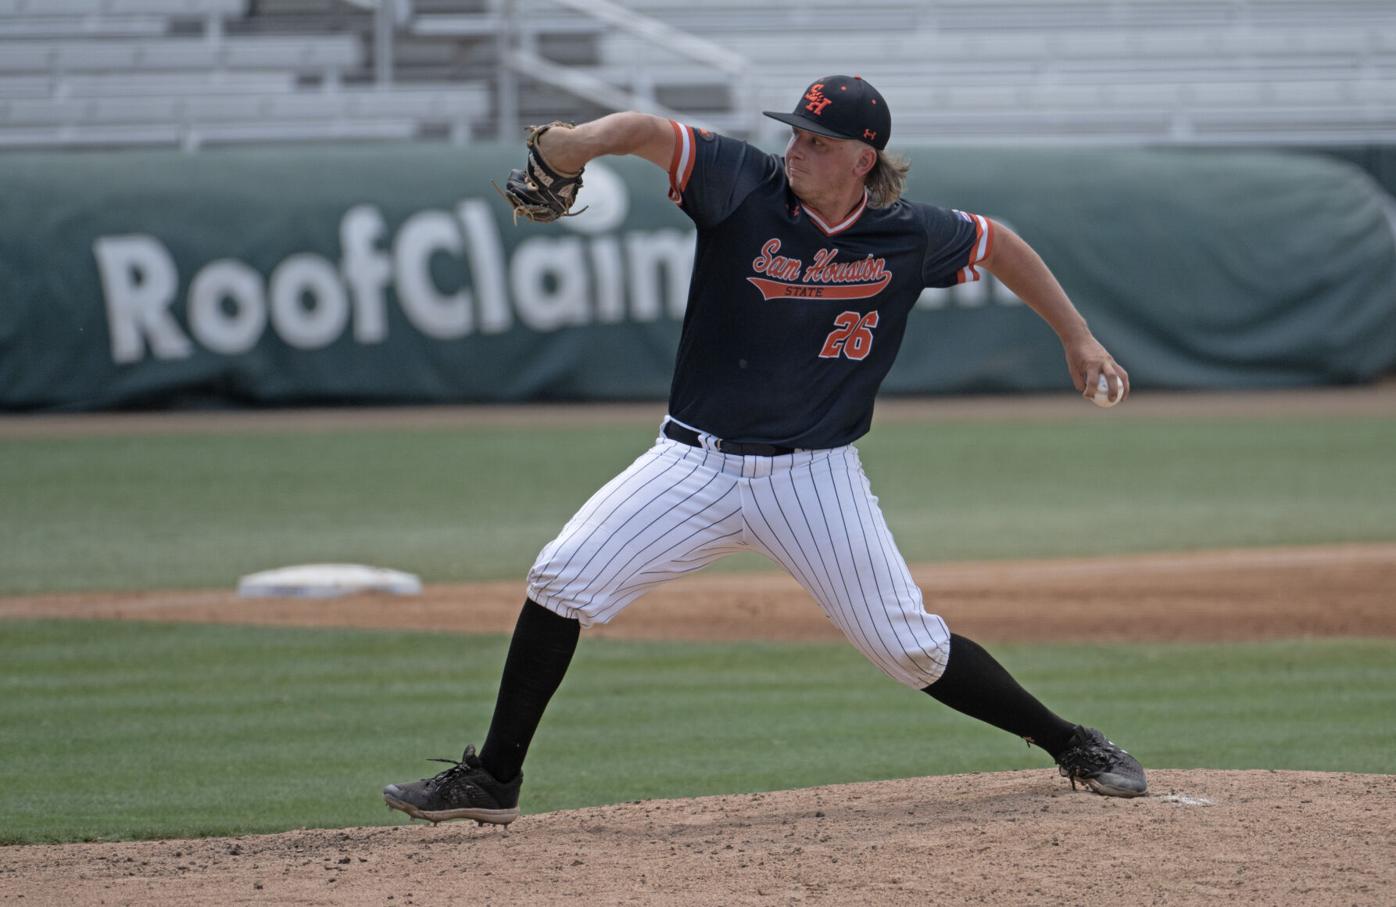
(842, 107)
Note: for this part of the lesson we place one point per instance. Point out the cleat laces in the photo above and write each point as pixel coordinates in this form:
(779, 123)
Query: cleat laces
(467, 763)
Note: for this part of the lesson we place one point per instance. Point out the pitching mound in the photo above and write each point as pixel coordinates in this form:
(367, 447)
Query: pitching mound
(1021, 837)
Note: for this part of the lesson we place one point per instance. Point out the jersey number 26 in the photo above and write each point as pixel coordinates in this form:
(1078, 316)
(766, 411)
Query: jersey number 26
(851, 337)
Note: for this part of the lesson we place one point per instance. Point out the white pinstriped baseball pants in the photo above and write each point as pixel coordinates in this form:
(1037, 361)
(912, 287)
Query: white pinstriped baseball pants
(678, 508)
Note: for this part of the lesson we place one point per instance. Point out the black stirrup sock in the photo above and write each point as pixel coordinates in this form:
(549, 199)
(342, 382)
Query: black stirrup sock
(977, 685)
(539, 654)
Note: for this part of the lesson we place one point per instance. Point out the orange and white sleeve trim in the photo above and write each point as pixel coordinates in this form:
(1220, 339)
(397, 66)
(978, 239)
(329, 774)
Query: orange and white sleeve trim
(983, 243)
(681, 164)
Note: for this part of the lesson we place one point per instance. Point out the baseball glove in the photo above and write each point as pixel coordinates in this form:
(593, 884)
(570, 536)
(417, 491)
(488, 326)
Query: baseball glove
(538, 192)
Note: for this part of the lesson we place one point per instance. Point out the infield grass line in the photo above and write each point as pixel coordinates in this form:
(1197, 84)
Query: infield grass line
(134, 730)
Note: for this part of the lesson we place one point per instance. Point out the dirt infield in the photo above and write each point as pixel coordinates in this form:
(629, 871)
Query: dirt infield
(1006, 838)
(1263, 593)
(1023, 837)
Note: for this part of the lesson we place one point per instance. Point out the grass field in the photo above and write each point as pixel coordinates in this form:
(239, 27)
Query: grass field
(138, 730)
(120, 730)
(478, 503)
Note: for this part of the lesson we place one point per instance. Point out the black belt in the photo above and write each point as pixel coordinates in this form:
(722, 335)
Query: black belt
(690, 437)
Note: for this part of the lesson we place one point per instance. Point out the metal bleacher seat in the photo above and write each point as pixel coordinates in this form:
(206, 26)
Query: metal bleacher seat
(1103, 48)
(70, 26)
(180, 135)
(201, 119)
(174, 84)
(369, 103)
(87, 8)
(109, 18)
(324, 54)
(455, 25)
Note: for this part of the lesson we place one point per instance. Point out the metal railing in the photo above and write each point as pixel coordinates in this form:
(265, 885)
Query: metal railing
(521, 60)
(388, 17)
(516, 26)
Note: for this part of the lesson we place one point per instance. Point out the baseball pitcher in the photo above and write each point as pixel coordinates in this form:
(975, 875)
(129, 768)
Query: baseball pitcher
(806, 270)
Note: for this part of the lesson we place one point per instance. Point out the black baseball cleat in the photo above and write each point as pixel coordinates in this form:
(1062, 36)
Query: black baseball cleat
(463, 791)
(1101, 765)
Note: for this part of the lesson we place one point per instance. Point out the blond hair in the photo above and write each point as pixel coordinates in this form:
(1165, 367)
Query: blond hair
(887, 179)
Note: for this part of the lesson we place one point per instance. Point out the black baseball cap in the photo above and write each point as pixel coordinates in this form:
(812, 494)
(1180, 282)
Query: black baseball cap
(842, 107)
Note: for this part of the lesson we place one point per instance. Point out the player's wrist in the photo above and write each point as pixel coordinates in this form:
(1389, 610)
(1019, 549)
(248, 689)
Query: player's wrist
(1074, 331)
(558, 150)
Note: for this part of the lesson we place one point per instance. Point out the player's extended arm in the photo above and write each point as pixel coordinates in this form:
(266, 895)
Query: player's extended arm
(546, 187)
(640, 134)
(1023, 271)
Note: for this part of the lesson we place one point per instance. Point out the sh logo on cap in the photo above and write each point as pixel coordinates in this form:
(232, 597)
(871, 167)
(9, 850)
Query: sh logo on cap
(842, 107)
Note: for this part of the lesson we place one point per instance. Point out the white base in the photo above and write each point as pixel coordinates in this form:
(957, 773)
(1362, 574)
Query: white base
(327, 581)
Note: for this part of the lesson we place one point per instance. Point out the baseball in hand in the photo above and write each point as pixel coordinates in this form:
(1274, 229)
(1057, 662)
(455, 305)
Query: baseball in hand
(1101, 397)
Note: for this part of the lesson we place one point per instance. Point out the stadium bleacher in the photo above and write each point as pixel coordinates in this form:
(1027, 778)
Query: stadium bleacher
(196, 72)
(1134, 71)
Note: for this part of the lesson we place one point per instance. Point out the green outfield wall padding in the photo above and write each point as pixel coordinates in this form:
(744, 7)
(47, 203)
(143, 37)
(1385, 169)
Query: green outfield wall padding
(393, 273)
(1378, 160)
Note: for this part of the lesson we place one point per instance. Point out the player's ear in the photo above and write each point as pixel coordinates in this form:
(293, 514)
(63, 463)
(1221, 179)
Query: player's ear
(867, 159)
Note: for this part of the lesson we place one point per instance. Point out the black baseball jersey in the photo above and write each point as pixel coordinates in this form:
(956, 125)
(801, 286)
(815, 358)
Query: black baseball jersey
(793, 323)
